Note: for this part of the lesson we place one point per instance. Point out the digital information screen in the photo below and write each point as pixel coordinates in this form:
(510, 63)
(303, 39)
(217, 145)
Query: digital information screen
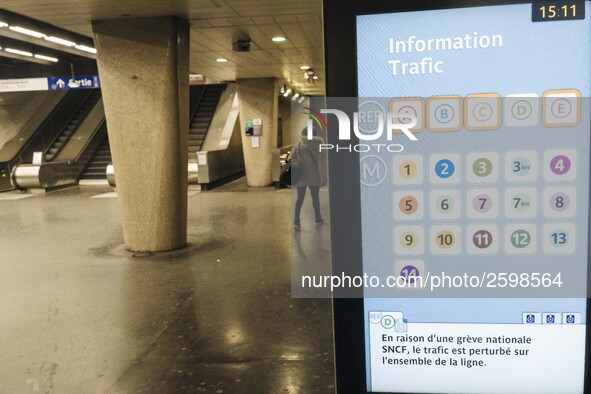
(496, 186)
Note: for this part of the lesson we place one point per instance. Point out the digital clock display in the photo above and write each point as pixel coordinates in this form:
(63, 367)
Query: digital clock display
(546, 11)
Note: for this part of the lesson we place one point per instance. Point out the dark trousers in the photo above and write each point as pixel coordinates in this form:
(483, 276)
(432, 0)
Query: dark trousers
(300, 200)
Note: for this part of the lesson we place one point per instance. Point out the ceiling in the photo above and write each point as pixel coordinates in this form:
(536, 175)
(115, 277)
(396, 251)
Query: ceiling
(215, 25)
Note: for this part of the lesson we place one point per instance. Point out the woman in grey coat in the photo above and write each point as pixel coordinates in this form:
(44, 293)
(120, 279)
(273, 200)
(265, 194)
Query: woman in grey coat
(308, 171)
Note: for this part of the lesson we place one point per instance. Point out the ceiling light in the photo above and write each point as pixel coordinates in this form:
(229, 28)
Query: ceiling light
(17, 52)
(296, 95)
(221, 60)
(301, 100)
(3, 24)
(315, 77)
(278, 39)
(85, 48)
(305, 68)
(287, 92)
(48, 58)
(60, 41)
(28, 32)
(283, 89)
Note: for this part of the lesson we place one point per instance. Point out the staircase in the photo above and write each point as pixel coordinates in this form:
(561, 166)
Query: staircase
(71, 128)
(97, 166)
(202, 117)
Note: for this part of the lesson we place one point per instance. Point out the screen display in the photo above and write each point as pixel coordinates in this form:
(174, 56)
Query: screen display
(488, 211)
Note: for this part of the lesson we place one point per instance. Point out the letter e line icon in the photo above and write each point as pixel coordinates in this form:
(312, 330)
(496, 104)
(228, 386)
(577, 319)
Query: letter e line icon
(561, 108)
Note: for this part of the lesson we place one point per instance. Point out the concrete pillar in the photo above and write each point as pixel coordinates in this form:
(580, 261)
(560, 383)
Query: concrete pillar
(258, 99)
(144, 71)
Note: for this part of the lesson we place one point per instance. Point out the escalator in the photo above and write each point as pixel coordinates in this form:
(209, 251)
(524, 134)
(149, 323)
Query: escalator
(203, 102)
(71, 148)
(38, 133)
(202, 116)
(97, 166)
(73, 125)
(79, 148)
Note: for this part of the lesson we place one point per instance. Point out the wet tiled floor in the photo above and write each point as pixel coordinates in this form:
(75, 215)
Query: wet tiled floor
(79, 314)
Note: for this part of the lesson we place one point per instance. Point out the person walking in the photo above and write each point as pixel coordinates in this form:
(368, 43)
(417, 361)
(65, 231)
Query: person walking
(309, 170)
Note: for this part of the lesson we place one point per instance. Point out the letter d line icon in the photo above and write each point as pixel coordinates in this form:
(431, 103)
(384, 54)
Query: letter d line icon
(522, 110)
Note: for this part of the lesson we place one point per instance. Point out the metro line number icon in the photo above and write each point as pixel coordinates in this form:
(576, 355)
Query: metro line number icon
(444, 168)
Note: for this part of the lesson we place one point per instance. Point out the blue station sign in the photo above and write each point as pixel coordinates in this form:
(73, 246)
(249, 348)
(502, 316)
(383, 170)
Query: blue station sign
(81, 82)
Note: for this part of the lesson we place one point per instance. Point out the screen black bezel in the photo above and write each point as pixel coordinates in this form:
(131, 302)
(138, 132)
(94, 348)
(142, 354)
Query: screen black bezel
(341, 81)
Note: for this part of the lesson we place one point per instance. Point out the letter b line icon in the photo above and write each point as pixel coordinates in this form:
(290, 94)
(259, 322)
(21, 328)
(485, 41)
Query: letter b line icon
(444, 113)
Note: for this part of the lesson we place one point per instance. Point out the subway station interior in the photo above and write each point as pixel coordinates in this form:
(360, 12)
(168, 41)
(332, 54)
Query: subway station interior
(320, 196)
(145, 246)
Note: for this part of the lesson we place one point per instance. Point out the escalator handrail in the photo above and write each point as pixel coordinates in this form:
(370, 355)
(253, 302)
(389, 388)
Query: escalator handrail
(197, 103)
